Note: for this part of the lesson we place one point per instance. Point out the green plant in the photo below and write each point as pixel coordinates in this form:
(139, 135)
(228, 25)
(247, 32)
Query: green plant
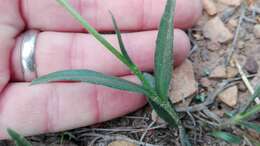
(154, 87)
(157, 93)
(18, 139)
(241, 119)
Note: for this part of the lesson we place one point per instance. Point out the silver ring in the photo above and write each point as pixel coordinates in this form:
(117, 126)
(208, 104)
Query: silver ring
(27, 53)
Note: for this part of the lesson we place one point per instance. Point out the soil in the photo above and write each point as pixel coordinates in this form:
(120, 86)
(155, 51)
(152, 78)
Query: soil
(206, 54)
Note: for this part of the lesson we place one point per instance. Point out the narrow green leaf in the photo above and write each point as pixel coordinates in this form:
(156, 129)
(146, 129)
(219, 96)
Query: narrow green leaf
(248, 113)
(19, 140)
(254, 126)
(252, 98)
(167, 113)
(228, 137)
(164, 51)
(103, 41)
(92, 30)
(90, 77)
(120, 40)
(255, 142)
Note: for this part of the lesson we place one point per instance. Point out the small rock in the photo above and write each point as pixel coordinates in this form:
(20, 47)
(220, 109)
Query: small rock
(231, 2)
(251, 65)
(241, 44)
(251, 3)
(257, 31)
(231, 72)
(121, 143)
(213, 46)
(218, 73)
(257, 19)
(205, 82)
(232, 24)
(229, 96)
(216, 31)
(183, 83)
(210, 7)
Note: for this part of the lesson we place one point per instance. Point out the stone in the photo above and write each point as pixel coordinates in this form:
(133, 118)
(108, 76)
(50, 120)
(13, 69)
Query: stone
(231, 2)
(241, 44)
(251, 3)
(121, 143)
(213, 46)
(232, 24)
(210, 7)
(205, 82)
(251, 65)
(257, 31)
(257, 19)
(183, 84)
(218, 73)
(231, 72)
(229, 96)
(216, 31)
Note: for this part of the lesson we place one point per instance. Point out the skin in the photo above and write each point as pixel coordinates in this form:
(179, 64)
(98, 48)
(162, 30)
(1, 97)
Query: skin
(62, 44)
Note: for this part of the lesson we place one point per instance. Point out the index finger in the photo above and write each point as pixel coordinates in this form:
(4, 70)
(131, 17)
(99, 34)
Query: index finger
(62, 106)
(132, 15)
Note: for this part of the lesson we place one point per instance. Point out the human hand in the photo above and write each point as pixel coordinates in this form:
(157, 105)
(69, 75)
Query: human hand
(63, 45)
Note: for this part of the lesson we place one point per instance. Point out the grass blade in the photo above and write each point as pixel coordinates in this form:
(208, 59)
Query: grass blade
(19, 140)
(254, 126)
(92, 30)
(245, 115)
(255, 142)
(228, 137)
(164, 51)
(120, 40)
(103, 41)
(90, 77)
(252, 98)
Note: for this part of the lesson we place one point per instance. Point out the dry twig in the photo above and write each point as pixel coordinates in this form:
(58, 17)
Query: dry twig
(234, 43)
(246, 81)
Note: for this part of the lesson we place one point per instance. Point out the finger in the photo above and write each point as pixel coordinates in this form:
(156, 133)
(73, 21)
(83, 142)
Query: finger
(10, 25)
(60, 51)
(62, 106)
(131, 14)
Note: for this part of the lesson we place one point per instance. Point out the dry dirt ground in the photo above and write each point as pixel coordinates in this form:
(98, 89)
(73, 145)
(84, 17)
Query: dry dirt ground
(229, 31)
